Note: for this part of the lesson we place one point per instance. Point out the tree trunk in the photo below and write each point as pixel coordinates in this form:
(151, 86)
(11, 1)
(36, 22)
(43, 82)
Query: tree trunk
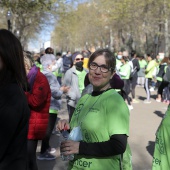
(111, 40)
(167, 42)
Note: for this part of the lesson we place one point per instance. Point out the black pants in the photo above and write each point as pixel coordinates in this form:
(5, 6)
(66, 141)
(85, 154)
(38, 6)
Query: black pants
(158, 83)
(70, 111)
(162, 86)
(59, 80)
(31, 159)
(45, 142)
(126, 89)
(133, 83)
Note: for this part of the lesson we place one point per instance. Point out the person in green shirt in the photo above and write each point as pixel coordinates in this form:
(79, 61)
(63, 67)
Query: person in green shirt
(162, 70)
(102, 119)
(141, 72)
(161, 154)
(118, 60)
(124, 73)
(149, 76)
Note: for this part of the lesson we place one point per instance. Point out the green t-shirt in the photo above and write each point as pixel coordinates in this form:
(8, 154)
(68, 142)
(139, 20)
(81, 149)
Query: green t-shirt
(125, 68)
(81, 76)
(118, 63)
(142, 63)
(161, 157)
(150, 69)
(99, 117)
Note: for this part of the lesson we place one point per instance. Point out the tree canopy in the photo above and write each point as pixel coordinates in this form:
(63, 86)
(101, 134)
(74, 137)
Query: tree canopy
(128, 24)
(117, 24)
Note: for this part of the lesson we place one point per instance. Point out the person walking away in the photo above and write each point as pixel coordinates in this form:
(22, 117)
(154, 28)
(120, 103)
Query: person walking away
(48, 63)
(133, 79)
(100, 147)
(74, 78)
(14, 109)
(141, 72)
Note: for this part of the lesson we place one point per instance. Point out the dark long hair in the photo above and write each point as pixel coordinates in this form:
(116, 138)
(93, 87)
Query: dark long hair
(11, 55)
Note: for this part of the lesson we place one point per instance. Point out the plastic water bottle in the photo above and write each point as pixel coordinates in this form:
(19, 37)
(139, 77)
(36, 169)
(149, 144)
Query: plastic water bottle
(65, 136)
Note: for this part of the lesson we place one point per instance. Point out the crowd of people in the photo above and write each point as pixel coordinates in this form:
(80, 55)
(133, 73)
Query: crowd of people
(32, 86)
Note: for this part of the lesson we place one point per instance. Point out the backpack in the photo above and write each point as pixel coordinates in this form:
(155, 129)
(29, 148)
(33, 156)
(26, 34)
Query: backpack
(132, 73)
(167, 74)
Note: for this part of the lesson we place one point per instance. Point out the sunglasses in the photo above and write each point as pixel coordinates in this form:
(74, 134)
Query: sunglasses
(78, 59)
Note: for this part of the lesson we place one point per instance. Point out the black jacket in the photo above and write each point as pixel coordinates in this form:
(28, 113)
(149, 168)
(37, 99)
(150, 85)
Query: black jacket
(14, 116)
(135, 63)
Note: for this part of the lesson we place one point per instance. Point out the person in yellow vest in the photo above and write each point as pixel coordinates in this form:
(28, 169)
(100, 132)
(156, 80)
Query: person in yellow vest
(86, 54)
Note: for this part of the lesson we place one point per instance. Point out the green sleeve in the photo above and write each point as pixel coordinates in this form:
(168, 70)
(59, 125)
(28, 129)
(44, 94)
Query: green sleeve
(150, 66)
(117, 115)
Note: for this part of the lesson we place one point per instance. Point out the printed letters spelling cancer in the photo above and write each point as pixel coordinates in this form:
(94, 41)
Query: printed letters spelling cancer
(83, 163)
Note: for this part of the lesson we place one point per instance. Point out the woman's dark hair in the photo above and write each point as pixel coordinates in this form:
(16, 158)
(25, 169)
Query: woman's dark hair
(11, 54)
(133, 53)
(58, 54)
(109, 57)
(125, 58)
(49, 50)
(165, 60)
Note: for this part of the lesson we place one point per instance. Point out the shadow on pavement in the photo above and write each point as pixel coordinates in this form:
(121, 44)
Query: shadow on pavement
(150, 147)
(159, 113)
(57, 164)
(42, 165)
(141, 98)
(154, 96)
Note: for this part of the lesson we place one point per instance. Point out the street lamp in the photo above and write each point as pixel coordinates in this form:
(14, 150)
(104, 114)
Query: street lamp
(17, 33)
(9, 17)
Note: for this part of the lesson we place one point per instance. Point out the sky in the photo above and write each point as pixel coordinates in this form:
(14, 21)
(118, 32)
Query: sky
(43, 38)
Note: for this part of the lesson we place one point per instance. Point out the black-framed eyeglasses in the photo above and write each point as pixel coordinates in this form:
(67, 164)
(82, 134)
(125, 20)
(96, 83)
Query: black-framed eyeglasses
(103, 68)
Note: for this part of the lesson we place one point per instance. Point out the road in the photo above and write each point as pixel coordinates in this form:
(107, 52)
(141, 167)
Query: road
(144, 121)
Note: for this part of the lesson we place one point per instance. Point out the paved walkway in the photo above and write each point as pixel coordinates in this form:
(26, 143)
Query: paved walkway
(144, 121)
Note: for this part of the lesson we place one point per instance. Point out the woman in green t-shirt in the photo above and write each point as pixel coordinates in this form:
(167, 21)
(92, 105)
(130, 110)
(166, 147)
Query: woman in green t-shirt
(124, 72)
(141, 72)
(101, 120)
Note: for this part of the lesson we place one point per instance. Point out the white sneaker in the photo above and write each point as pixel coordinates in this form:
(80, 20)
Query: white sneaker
(147, 101)
(151, 89)
(51, 150)
(130, 107)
